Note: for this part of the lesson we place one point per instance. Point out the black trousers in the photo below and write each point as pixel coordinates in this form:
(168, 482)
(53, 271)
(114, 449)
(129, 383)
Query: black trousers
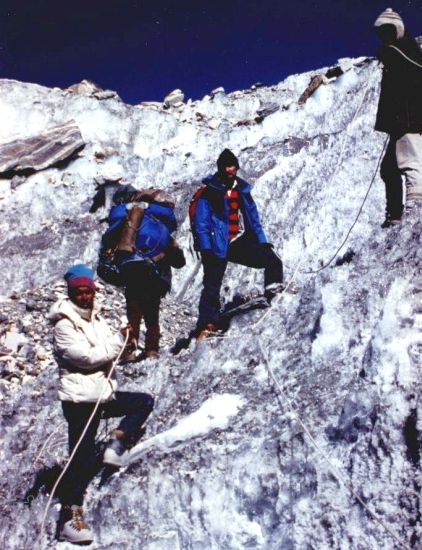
(134, 407)
(243, 251)
(391, 175)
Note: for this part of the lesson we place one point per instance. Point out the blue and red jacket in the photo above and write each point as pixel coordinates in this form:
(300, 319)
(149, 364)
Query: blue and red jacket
(211, 222)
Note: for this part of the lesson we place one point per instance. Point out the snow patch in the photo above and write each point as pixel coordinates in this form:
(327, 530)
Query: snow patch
(215, 413)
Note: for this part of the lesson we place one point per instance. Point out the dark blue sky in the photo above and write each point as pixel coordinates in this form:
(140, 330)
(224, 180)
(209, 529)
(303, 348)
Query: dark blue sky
(144, 49)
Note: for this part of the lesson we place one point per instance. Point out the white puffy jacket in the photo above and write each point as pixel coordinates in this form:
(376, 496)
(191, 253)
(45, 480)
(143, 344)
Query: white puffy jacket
(85, 347)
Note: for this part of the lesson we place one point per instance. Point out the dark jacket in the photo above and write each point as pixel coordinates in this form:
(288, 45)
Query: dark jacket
(400, 102)
(211, 222)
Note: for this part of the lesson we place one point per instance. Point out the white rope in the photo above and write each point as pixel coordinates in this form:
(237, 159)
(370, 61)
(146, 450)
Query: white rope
(404, 55)
(39, 540)
(334, 470)
(357, 215)
(343, 479)
(339, 160)
(299, 264)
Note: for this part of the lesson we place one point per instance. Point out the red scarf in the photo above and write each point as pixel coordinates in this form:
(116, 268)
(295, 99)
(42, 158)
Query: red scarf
(232, 197)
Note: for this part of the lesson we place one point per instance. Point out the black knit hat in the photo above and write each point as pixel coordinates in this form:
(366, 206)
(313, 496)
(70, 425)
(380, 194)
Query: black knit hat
(226, 158)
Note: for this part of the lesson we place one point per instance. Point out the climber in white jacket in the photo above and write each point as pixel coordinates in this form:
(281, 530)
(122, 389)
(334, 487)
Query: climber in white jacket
(85, 348)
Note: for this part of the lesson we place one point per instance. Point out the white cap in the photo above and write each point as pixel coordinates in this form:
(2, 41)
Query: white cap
(390, 17)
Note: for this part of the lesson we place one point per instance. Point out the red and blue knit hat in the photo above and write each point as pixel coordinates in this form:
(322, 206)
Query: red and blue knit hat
(80, 275)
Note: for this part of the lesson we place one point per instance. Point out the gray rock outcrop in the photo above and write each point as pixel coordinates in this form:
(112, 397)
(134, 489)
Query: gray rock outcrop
(41, 151)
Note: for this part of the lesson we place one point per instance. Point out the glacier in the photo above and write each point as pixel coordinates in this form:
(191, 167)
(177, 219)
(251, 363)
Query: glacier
(301, 428)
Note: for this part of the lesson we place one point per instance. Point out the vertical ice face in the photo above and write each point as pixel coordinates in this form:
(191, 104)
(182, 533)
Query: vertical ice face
(226, 461)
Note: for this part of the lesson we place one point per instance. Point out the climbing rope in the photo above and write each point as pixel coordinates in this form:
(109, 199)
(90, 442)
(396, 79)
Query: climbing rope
(333, 469)
(97, 404)
(299, 264)
(339, 159)
(404, 55)
(357, 215)
(333, 174)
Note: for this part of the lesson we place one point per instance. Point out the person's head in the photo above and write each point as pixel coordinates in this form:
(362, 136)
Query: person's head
(389, 26)
(227, 165)
(80, 285)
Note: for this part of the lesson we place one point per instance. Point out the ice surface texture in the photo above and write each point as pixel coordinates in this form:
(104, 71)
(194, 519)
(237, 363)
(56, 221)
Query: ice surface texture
(224, 464)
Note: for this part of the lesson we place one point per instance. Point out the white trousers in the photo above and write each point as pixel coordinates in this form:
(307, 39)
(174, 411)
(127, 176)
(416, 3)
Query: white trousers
(409, 162)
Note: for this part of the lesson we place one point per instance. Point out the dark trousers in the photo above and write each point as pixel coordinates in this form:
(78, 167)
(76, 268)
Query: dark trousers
(244, 251)
(134, 407)
(141, 303)
(392, 178)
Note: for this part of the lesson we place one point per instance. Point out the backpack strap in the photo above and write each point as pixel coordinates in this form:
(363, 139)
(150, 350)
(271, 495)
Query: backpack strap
(128, 235)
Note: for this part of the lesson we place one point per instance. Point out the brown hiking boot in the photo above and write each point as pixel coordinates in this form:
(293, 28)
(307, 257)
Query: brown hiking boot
(74, 529)
(206, 332)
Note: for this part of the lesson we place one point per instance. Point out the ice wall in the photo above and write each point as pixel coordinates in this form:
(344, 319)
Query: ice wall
(226, 462)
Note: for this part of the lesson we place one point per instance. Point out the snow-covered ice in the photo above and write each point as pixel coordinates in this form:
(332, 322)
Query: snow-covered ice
(225, 462)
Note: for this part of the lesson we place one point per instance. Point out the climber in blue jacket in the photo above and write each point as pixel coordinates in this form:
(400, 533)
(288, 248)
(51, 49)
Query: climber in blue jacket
(226, 228)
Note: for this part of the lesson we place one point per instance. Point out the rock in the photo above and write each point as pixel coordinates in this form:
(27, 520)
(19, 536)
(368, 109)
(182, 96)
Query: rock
(266, 110)
(105, 94)
(214, 124)
(85, 87)
(314, 84)
(89, 88)
(174, 98)
(154, 104)
(246, 122)
(34, 153)
(13, 340)
(107, 179)
(34, 305)
(334, 72)
(217, 91)
(105, 153)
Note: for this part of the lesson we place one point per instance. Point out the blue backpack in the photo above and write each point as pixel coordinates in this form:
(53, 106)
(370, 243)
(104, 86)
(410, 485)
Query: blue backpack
(152, 238)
